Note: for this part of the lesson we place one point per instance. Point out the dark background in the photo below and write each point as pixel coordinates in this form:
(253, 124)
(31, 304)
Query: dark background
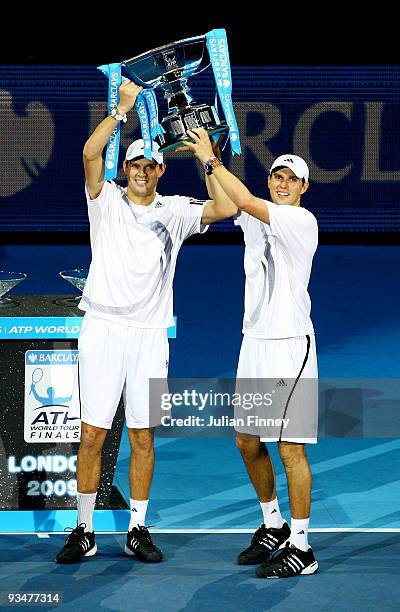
(258, 33)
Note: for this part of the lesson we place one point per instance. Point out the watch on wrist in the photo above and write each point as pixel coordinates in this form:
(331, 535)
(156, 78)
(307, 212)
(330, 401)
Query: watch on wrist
(212, 163)
(117, 115)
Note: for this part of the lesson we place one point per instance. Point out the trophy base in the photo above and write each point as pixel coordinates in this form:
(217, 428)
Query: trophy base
(195, 116)
(68, 301)
(8, 303)
(172, 147)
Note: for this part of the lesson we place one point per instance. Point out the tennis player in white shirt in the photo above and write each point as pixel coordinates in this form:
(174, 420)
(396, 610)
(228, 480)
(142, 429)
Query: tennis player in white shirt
(281, 238)
(135, 235)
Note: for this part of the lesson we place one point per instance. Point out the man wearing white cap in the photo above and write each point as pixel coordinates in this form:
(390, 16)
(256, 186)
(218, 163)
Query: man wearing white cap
(135, 237)
(280, 238)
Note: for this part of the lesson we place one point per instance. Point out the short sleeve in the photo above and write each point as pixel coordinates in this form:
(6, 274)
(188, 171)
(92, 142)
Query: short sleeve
(296, 228)
(106, 190)
(192, 212)
(97, 206)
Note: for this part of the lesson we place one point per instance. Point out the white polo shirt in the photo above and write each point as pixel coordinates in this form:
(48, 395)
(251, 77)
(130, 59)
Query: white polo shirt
(277, 262)
(134, 252)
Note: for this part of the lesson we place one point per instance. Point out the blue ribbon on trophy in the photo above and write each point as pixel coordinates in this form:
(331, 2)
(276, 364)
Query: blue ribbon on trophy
(113, 73)
(146, 106)
(217, 46)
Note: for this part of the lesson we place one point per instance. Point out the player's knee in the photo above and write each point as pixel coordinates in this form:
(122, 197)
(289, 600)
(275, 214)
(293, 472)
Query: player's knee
(92, 438)
(142, 440)
(249, 446)
(291, 454)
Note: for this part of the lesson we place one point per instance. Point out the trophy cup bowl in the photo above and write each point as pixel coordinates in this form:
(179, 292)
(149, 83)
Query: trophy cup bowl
(77, 277)
(170, 67)
(8, 280)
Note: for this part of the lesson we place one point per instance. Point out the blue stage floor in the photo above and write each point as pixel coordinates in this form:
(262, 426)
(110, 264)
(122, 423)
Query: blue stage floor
(357, 571)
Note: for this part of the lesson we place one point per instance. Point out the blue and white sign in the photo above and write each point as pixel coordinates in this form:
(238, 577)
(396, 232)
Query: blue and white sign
(27, 328)
(52, 408)
(61, 328)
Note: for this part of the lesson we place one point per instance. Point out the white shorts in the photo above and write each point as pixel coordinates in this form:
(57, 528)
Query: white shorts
(292, 364)
(117, 359)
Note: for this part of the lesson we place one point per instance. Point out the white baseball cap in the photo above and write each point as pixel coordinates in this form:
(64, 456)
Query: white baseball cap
(136, 149)
(295, 163)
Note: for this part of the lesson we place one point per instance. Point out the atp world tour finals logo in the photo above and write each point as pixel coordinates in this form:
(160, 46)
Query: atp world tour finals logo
(52, 410)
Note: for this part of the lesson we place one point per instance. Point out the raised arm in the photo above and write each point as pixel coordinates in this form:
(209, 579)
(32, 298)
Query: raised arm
(221, 206)
(210, 183)
(233, 189)
(93, 161)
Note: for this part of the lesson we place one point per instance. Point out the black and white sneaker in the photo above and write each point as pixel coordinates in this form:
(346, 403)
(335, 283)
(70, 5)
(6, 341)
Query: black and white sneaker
(78, 544)
(140, 544)
(287, 562)
(265, 541)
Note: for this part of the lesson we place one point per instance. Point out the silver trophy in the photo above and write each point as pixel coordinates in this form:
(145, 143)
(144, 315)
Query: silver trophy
(8, 280)
(77, 277)
(170, 67)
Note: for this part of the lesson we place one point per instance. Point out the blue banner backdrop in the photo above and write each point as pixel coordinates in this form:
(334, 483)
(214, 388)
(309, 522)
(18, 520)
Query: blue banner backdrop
(344, 120)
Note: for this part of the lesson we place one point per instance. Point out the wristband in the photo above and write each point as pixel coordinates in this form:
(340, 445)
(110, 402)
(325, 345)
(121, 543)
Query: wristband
(115, 114)
(212, 163)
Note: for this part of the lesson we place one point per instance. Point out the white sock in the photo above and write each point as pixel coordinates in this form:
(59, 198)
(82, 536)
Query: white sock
(86, 503)
(272, 514)
(138, 512)
(299, 533)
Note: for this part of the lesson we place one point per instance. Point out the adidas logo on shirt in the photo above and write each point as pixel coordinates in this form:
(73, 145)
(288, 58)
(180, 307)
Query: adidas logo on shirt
(158, 204)
(281, 383)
